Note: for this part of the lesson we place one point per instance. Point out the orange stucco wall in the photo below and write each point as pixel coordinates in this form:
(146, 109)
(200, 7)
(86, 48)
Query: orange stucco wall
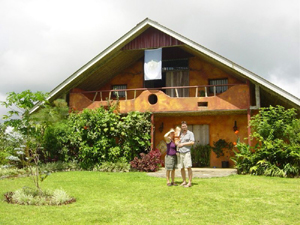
(133, 77)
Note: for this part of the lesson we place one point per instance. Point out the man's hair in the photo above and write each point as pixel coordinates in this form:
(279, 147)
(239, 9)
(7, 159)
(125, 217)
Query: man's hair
(183, 122)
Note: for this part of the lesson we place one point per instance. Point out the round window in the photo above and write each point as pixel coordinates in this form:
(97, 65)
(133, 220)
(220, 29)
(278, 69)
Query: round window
(152, 99)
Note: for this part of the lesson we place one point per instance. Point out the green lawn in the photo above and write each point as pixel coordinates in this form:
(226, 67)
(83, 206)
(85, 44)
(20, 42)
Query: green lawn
(135, 198)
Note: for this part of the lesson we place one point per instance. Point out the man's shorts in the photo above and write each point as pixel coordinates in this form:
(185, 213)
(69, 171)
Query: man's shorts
(185, 160)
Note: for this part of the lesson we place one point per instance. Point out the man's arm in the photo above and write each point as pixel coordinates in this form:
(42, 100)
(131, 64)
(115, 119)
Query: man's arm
(190, 143)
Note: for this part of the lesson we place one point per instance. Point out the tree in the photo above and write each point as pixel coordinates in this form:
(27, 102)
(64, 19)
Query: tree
(32, 126)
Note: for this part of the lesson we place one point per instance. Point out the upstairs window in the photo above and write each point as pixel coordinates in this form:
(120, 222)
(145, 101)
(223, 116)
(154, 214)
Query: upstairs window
(219, 89)
(120, 94)
(179, 64)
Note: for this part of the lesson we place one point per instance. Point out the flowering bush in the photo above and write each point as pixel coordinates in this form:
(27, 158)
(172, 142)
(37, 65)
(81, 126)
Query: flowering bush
(148, 162)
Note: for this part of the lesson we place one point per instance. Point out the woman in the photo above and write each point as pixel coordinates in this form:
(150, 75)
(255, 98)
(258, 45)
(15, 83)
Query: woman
(171, 158)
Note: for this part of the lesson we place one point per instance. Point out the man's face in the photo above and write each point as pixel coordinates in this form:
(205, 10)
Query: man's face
(183, 127)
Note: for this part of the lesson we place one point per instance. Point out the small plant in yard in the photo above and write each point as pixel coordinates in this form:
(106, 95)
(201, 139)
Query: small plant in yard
(29, 196)
(148, 162)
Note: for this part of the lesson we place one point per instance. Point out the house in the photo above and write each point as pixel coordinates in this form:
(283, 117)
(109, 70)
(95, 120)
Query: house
(213, 94)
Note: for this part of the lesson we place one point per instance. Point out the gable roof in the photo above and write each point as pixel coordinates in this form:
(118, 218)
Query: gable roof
(114, 59)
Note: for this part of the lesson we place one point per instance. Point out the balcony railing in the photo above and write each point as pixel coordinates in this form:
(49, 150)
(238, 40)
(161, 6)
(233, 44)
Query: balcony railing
(204, 89)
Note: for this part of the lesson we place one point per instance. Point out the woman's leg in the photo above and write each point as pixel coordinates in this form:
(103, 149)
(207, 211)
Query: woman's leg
(173, 176)
(168, 176)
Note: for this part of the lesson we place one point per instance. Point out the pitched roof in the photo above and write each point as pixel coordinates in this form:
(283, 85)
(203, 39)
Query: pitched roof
(113, 60)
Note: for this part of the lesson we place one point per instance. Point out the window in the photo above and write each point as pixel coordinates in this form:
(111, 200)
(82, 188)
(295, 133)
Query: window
(121, 94)
(181, 64)
(219, 89)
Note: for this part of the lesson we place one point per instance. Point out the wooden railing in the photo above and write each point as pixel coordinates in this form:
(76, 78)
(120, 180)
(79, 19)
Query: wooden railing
(197, 88)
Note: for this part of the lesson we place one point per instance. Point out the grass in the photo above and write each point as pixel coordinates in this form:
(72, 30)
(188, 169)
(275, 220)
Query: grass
(135, 198)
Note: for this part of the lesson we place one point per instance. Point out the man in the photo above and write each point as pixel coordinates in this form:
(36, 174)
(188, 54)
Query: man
(187, 140)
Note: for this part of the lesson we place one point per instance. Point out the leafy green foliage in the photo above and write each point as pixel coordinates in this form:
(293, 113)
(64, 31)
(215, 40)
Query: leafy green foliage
(120, 166)
(220, 146)
(278, 150)
(60, 166)
(11, 172)
(201, 155)
(91, 137)
(101, 135)
(20, 105)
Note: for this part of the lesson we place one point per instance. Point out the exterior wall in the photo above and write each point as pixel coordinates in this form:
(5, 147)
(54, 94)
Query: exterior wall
(220, 127)
(201, 72)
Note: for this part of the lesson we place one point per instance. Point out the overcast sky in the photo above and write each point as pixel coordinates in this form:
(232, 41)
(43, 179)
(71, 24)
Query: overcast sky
(43, 42)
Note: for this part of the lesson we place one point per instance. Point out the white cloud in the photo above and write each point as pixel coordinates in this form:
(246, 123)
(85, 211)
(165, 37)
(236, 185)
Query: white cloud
(279, 78)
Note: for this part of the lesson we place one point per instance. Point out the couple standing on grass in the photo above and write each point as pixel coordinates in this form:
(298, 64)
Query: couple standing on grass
(179, 141)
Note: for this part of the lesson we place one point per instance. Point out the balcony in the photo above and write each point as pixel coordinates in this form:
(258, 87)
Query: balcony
(166, 99)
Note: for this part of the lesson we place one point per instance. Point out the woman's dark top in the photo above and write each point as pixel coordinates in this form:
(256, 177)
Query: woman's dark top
(171, 148)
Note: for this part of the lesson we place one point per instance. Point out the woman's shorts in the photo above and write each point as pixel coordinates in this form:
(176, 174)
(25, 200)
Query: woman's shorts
(171, 162)
(185, 160)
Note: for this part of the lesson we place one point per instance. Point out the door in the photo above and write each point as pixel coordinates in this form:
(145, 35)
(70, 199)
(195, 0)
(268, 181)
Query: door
(201, 133)
(175, 79)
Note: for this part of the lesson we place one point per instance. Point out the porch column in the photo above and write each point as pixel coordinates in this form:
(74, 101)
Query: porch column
(152, 131)
(249, 114)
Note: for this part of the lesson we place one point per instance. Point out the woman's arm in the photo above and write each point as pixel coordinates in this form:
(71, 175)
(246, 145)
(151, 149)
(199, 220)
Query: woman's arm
(167, 137)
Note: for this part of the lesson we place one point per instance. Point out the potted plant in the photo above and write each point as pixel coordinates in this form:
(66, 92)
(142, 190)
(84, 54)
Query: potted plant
(219, 147)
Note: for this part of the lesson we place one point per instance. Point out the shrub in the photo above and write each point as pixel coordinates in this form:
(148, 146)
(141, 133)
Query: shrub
(60, 166)
(148, 162)
(101, 135)
(11, 172)
(278, 150)
(120, 166)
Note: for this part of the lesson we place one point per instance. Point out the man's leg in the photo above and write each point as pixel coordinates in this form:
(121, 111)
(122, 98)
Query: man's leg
(183, 175)
(189, 168)
(190, 174)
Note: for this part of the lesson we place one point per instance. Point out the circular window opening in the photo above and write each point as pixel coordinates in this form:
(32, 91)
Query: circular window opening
(152, 99)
